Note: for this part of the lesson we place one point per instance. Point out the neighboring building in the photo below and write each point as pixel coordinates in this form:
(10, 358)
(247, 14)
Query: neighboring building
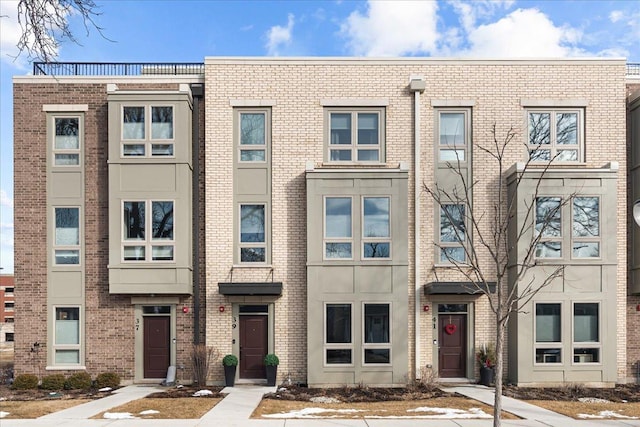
(265, 205)
(7, 309)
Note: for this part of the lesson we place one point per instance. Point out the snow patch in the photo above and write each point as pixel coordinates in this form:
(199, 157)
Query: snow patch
(324, 399)
(200, 393)
(309, 413)
(3, 414)
(606, 414)
(149, 412)
(105, 389)
(119, 416)
(593, 400)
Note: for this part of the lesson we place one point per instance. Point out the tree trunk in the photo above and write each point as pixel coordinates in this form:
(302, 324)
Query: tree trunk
(497, 405)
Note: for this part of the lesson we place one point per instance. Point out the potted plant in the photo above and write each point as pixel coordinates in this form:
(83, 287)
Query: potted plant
(486, 356)
(271, 361)
(230, 362)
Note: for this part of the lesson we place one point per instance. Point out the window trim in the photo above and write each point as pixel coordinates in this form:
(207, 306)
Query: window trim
(595, 239)
(442, 245)
(149, 242)
(77, 151)
(354, 145)
(542, 239)
(55, 247)
(553, 135)
(377, 346)
(265, 244)
(548, 345)
(364, 240)
(148, 141)
(465, 146)
(238, 112)
(586, 344)
(79, 347)
(337, 346)
(326, 240)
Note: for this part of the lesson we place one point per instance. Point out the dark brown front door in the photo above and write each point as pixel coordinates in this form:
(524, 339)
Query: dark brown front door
(156, 346)
(253, 346)
(452, 351)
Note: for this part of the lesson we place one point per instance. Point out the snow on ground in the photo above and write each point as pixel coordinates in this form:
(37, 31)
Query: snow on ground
(314, 413)
(119, 416)
(103, 389)
(606, 414)
(593, 400)
(3, 414)
(149, 412)
(202, 393)
(437, 413)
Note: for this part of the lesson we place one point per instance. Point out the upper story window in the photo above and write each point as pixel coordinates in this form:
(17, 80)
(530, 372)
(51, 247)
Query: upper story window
(253, 239)
(142, 137)
(548, 225)
(355, 135)
(376, 231)
(555, 134)
(453, 135)
(586, 227)
(140, 245)
(66, 242)
(338, 232)
(66, 144)
(253, 134)
(453, 234)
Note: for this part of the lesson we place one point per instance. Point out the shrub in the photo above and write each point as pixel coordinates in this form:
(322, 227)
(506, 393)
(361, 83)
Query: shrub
(230, 360)
(202, 356)
(108, 379)
(78, 381)
(25, 382)
(271, 360)
(53, 382)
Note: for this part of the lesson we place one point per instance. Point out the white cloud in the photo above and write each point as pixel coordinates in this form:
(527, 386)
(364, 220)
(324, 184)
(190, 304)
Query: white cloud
(392, 28)
(5, 200)
(279, 36)
(615, 16)
(470, 11)
(10, 31)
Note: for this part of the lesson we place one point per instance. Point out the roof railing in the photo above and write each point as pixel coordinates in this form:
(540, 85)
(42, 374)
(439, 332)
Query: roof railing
(633, 69)
(116, 68)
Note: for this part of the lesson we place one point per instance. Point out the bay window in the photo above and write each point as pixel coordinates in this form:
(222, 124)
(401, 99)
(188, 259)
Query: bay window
(142, 137)
(140, 245)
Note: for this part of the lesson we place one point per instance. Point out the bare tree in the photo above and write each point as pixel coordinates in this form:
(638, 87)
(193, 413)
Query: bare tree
(499, 232)
(45, 25)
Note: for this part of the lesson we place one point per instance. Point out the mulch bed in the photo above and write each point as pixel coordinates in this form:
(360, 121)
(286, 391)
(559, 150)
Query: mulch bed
(357, 394)
(187, 391)
(628, 392)
(7, 393)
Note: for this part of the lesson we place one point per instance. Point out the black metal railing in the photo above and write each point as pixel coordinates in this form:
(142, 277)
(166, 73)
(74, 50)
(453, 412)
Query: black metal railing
(116, 68)
(633, 69)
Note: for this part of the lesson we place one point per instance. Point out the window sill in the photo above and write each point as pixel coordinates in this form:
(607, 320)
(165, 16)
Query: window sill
(234, 266)
(65, 368)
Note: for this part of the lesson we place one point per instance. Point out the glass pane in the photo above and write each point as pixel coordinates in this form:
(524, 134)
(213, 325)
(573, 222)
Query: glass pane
(338, 356)
(252, 224)
(67, 159)
(452, 254)
(567, 155)
(377, 355)
(162, 253)
(162, 220)
(586, 249)
(548, 220)
(252, 254)
(585, 322)
(134, 253)
(548, 355)
(586, 216)
(252, 156)
(452, 308)
(254, 309)
(451, 128)
(340, 129)
(338, 250)
(162, 150)
(549, 250)
(67, 357)
(539, 128)
(376, 323)
(67, 137)
(133, 150)
(367, 156)
(133, 123)
(540, 155)
(377, 250)
(161, 122)
(67, 325)
(376, 217)
(452, 228)
(451, 155)
(367, 128)
(338, 323)
(548, 323)
(134, 221)
(252, 129)
(340, 155)
(337, 217)
(566, 128)
(67, 226)
(67, 256)
(586, 355)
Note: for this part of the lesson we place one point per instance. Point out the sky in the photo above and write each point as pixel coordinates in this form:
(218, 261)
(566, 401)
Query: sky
(189, 31)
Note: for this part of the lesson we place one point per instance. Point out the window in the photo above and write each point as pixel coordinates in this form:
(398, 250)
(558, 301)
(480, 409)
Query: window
(66, 245)
(337, 228)
(586, 227)
(253, 245)
(9, 319)
(253, 143)
(452, 233)
(138, 245)
(355, 135)
(548, 227)
(9, 337)
(338, 340)
(377, 341)
(9, 291)
(586, 333)
(548, 333)
(67, 336)
(66, 144)
(143, 139)
(376, 231)
(9, 306)
(555, 135)
(453, 135)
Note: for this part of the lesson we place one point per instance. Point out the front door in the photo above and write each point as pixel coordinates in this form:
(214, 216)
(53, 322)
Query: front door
(253, 345)
(452, 350)
(156, 346)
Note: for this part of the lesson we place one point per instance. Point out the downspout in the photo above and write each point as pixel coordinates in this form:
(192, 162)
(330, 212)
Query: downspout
(417, 85)
(197, 91)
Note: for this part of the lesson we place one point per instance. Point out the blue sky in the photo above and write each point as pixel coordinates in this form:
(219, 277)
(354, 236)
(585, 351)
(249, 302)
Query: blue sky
(187, 31)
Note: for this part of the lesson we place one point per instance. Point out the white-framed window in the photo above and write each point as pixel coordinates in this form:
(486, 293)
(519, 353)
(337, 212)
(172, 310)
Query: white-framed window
(548, 227)
(355, 135)
(144, 137)
(548, 333)
(67, 140)
(586, 332)
(453, 233)
(253, 236)
(586, 227)
(66, 240)
(338, 228)
(555, 134)
(376, 227)
(148, 231)
(252, 136)
(338, 334)
(67, 349)
(453, 135)
(376, 334)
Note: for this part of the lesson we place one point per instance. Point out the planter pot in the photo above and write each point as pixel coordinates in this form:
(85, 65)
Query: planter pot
(229, 376)
(272, 372)
(486, 376)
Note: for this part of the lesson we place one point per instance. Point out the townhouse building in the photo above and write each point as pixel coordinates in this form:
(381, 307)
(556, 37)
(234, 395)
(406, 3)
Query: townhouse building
(279, 205)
